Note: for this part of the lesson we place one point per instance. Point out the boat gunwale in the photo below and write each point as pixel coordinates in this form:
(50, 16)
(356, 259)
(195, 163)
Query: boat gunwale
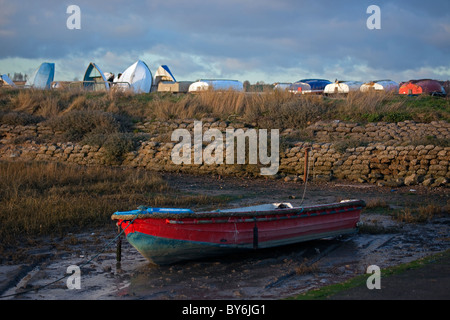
(263, 214)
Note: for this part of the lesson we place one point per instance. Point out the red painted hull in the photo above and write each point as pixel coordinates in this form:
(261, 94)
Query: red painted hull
(165, 239)
(411, 89)
(416, 87)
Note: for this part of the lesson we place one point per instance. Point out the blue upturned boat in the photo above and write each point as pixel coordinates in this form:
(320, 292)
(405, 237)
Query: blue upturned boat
(317, 85)
(42, 78)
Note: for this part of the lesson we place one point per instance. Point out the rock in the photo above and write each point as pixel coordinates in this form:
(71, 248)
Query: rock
(427, 182)
(395, 183)
(412, 179)
(441, 181)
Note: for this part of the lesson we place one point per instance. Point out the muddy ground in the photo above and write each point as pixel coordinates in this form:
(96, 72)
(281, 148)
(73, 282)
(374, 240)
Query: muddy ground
(265, 274)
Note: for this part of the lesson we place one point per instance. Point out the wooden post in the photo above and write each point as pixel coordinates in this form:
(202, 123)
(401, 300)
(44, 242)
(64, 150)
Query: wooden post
(305, 174)
(119, 247)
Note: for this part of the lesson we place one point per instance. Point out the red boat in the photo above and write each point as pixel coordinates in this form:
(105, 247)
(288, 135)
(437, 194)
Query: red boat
(166, 235)
(427, 86)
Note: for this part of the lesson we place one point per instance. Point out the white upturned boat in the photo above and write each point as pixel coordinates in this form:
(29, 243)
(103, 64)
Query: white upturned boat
(342, 87)
(216, 85)
(380, 85)
(136, 77)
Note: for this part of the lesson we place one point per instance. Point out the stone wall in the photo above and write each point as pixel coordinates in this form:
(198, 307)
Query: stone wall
(385, 153)
(388, 133)
(398, 133)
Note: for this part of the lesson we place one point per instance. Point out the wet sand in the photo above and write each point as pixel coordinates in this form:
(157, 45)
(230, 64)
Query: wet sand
(264, 274)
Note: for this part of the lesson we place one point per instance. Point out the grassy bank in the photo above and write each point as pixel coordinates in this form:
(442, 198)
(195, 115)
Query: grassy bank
(38, 199)
(272, 109)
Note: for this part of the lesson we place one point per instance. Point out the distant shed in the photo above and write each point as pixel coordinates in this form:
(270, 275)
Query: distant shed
(175, 87)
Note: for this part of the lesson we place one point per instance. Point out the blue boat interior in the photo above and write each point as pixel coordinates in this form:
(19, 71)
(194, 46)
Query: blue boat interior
(150, 210)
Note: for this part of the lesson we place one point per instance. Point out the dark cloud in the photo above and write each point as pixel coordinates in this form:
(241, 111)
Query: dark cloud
(234, 37)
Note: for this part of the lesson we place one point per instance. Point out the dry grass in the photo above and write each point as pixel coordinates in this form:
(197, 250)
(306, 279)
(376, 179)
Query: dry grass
(358, 103)
(53, 199)
(39, 102)
(421, 214)
(376, 203)
(306, 268)
(270, 109)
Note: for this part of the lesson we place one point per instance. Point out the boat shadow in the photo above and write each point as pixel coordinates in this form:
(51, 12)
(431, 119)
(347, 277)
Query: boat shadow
(251, 272)
(307, 250)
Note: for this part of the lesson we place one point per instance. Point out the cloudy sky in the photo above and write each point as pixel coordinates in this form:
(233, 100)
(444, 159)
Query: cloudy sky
(257, 40)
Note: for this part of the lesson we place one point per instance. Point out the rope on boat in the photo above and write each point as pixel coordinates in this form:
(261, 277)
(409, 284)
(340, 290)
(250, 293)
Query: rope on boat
(81, 266)
(307, 154)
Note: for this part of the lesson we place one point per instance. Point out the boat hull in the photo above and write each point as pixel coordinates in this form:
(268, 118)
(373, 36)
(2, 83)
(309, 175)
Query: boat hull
(42, 77)
(169, 239)
(164, 251)
(417, 87)
(136, 77)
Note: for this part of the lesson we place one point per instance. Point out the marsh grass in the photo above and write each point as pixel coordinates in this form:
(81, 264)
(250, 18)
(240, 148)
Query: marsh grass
(376, 203)
(270, 109)
(420, 214)
(306, 268)
(39, 199)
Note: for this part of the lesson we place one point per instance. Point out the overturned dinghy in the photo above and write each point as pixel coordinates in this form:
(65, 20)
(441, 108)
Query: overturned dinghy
(6, 81)
(342, 87)
(174, 87)
(282, 86)
(380, 85)
(136, 77)
(299, 88)
(42, 78)
(423, 86)
(94, 79)
(163, 74)
(164, 81)
(216, 85)
(317, 85)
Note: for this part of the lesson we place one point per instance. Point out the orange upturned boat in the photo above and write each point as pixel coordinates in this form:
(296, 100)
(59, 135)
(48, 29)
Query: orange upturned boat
(424, 86)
